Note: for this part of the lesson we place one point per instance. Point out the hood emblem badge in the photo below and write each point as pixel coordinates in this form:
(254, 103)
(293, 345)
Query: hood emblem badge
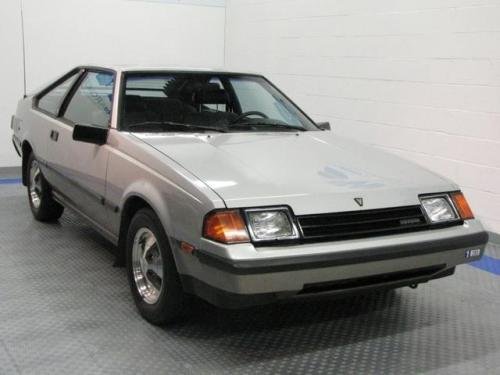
(359, 201)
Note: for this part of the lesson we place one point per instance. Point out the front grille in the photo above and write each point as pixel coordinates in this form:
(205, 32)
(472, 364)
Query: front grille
(359, 224)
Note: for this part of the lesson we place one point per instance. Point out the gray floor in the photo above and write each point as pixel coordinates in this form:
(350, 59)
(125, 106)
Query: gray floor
(65, 309)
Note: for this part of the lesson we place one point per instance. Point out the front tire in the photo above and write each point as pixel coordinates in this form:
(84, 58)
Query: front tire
(152, 274)
(43, 206)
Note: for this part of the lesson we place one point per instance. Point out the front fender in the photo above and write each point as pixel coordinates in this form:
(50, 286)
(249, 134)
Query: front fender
(148, 192)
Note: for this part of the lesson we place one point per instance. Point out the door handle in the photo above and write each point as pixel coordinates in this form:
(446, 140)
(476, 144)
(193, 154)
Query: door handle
(54, 135)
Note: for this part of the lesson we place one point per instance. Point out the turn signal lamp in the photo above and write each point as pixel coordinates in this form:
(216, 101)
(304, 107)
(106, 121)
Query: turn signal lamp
(226, 227)
(462, 206)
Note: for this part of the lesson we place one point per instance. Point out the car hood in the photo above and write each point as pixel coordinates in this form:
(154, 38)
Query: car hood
(312, 172)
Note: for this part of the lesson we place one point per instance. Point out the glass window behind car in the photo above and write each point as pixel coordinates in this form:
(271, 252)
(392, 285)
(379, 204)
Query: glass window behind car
(52, 100)
(91, 103)
(193, 102)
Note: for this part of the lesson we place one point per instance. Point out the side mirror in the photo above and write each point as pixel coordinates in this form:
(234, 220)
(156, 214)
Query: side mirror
(323, 125)
(90, 134)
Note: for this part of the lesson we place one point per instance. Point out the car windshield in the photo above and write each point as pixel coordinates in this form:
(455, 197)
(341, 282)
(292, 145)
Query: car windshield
(203, 102)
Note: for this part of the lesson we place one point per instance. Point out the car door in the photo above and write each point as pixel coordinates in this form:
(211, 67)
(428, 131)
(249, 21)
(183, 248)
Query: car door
(47, 105)
(81, 167)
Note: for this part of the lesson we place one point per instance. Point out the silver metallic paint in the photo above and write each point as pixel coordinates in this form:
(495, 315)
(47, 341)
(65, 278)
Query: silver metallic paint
(185, 176)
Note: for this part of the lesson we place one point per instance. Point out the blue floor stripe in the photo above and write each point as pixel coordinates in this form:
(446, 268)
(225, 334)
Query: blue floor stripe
(10, 181)
(487, 263)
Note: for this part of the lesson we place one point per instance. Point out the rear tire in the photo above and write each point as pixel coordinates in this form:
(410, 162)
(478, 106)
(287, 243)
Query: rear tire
(152, 273)
(43, 206)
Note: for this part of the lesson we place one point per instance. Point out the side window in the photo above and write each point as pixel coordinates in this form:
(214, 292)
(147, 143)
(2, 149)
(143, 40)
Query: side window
(53, 99)
(91, 103)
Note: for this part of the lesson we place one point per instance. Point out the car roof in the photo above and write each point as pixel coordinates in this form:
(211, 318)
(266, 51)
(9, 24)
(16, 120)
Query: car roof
(138, 68)
(149, 68)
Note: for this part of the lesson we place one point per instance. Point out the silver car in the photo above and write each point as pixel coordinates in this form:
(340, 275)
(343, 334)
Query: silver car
(216, 184)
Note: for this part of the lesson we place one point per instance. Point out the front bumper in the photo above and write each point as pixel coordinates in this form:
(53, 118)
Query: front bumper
(331, 268)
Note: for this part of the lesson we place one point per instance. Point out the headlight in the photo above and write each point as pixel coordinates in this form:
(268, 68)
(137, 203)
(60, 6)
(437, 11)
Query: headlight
(271, 224)
(439, 208)
(262, 224)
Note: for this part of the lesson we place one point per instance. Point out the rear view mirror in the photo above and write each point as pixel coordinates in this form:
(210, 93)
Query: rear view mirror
(90, 134)
(323, 125)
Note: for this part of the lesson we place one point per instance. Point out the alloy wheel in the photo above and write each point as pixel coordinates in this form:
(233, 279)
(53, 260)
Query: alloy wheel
(147, 265)
(35, 187)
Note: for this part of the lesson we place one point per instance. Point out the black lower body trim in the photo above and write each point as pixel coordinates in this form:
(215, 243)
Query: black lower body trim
(258, 266)
(224, 299)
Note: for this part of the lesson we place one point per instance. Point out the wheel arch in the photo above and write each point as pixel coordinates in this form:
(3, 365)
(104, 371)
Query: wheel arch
(132, 204)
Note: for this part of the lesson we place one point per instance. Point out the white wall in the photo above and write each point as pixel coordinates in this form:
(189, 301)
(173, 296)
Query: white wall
(419, 78)
(11, 75)
(60, 34)
(63, 33)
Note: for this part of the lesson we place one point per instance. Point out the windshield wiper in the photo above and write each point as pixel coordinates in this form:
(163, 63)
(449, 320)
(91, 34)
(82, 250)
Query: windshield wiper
(175, 125)
(268, 125)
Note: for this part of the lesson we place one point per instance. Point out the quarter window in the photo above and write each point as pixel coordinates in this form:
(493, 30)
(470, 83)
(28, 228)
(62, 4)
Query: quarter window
(52, 100)
(91, 103)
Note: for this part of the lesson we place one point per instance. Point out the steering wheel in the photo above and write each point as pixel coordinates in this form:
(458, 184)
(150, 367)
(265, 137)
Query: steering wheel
(249, 113)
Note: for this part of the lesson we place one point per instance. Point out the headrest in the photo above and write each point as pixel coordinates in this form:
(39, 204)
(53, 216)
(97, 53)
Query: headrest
(211, 93)
(133, 103)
